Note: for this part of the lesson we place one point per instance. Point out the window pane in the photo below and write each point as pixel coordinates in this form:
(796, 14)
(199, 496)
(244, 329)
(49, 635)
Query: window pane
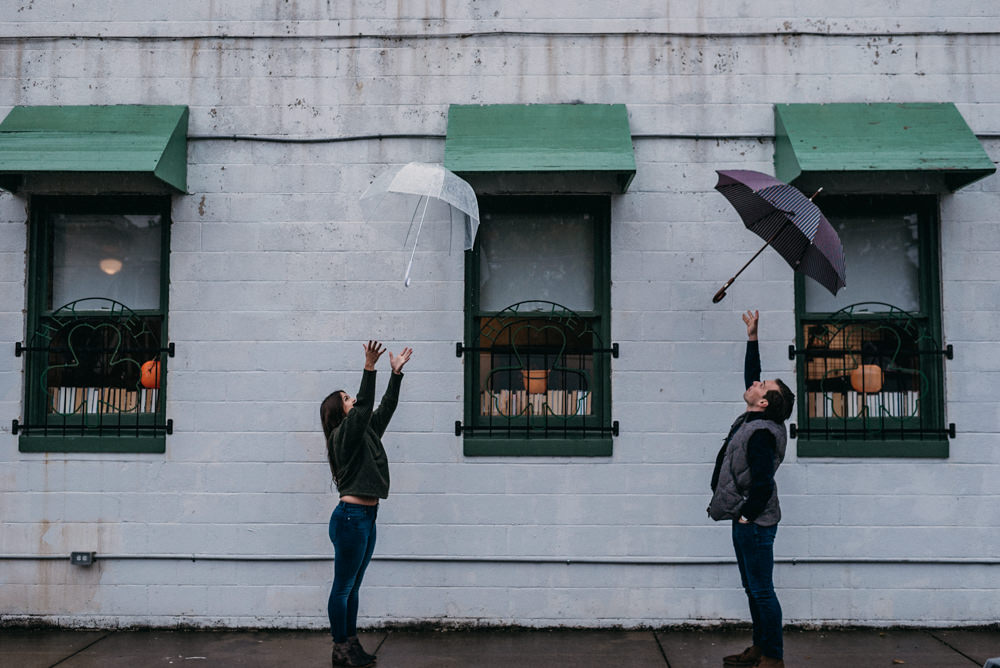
(109, 256)
(540, 256)
(883, 264)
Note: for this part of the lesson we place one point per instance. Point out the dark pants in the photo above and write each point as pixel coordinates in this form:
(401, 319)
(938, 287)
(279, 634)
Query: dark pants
(755, 555)
(352, 532)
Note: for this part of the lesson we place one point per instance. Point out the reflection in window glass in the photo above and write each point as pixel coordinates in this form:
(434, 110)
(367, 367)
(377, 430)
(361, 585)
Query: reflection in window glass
(883, 264)
(107, 256)
(546, 257)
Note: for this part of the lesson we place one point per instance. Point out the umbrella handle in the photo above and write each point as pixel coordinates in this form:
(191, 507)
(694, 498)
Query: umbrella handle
(721, 294)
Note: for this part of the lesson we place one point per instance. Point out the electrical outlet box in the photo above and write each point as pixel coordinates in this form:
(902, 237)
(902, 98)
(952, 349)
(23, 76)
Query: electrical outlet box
(82, 558)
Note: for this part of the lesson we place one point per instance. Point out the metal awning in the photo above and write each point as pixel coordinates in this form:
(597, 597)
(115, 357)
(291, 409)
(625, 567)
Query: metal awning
(119, 140)
(884, 147)
(582, 147)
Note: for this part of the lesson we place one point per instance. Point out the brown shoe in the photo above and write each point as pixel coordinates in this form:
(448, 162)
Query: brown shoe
(745, 659)
(770, 662)
(748, 657)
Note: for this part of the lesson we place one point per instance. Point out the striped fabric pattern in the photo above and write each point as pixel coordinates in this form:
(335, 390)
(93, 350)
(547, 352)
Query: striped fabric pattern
(789, 221)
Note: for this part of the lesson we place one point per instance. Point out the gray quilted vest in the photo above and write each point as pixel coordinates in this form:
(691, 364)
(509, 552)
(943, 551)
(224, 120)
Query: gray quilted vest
(733, 487)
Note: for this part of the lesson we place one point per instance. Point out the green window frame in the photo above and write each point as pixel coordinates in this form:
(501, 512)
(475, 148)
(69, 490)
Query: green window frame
(538, 373)
(95, 368)
(870, 375)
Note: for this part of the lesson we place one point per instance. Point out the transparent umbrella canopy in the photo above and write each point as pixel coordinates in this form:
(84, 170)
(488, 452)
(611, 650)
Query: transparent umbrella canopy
(420, 191)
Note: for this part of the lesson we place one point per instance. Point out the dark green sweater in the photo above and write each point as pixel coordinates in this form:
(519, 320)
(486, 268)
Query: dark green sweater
(358, 455)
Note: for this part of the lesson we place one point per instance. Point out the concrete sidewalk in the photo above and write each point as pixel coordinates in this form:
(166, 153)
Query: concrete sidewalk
(24, 648)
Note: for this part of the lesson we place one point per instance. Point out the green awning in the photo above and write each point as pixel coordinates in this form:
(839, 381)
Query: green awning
(886, 147)
(588, 142)
(133, 139)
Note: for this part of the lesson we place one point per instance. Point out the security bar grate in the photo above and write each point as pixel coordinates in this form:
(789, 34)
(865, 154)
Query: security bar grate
(95, 368)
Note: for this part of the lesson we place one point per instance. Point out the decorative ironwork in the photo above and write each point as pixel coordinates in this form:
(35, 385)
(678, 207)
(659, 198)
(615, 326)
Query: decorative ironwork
(536, 374)
(95, 367)
(869, 371)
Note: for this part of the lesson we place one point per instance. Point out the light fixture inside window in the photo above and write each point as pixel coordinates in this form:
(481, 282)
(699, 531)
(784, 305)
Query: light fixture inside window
(110, 266)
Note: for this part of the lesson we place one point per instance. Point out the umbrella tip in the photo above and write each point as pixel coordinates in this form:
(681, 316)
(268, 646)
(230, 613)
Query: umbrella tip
(406, 283)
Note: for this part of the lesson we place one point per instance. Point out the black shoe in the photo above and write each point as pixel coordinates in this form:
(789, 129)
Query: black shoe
(359, 651)
(341, 655)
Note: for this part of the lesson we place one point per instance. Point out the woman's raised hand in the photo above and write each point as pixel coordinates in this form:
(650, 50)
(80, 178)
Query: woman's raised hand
(397, 361)
(373, 350)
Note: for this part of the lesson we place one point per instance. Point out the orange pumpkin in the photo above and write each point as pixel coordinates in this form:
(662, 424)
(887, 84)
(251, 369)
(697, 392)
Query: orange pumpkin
(867, 378)
(150, 376)
(535, 380)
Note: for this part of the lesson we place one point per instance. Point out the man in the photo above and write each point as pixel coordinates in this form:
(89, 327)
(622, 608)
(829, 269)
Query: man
(743, 490)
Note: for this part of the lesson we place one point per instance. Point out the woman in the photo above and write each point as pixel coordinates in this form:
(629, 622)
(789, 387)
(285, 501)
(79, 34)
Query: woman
(361, 472)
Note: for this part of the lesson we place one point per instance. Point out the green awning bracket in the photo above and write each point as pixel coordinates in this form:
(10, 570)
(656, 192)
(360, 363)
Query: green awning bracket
(534, 147)
(140, 141)
(884, 147)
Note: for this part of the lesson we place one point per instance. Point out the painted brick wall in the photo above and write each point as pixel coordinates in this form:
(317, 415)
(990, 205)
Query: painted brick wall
(275, 281)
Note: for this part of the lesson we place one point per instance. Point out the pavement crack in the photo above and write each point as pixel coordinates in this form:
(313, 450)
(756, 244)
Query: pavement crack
(663, 653)
(82, 649)
(951, 647)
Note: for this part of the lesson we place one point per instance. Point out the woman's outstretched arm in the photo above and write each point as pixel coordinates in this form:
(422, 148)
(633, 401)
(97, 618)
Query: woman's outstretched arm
(357, 419)
(382, 415)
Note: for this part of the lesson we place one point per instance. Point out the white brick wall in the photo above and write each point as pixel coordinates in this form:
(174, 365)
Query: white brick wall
(275, 281)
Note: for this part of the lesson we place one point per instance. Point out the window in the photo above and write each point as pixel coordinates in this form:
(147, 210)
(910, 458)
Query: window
(537, 361)
(870, 359)
(95, 358)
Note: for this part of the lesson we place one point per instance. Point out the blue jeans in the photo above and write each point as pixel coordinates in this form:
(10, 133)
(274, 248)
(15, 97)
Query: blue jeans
(755, 555)
(352, 532)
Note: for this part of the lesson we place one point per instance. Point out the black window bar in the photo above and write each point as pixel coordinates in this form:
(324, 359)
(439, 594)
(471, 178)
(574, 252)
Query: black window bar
(94, 373)
(865, 380)
(535, 378)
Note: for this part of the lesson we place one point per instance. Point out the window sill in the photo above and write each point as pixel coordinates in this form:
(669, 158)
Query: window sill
(154, 444)
(928, 449)
(537, 447)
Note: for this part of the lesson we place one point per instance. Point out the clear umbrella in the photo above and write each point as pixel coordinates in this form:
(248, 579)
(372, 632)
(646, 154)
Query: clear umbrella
(421, 191)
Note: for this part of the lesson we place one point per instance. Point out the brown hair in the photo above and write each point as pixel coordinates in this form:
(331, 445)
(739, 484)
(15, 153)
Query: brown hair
(331, 414)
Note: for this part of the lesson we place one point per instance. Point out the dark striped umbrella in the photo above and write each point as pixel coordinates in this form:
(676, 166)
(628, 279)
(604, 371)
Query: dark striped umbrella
(789, 222)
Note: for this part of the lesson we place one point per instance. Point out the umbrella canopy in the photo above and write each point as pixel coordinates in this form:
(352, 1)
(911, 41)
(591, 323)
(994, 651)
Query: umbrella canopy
(420, 191)
(789, 222)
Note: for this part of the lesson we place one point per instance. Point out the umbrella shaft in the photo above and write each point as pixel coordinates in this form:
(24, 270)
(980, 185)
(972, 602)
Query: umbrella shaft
(766, 244)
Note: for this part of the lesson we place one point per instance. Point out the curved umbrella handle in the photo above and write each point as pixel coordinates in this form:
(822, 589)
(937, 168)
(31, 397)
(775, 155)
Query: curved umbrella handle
(721, 294)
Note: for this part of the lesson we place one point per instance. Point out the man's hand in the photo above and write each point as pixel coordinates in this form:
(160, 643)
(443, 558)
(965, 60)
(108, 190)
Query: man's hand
(397, 361)
(750, 318)
(373, 350)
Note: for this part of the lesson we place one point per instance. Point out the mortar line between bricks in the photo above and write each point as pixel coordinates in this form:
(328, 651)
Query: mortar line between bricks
(82, 649)
(952, 647)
